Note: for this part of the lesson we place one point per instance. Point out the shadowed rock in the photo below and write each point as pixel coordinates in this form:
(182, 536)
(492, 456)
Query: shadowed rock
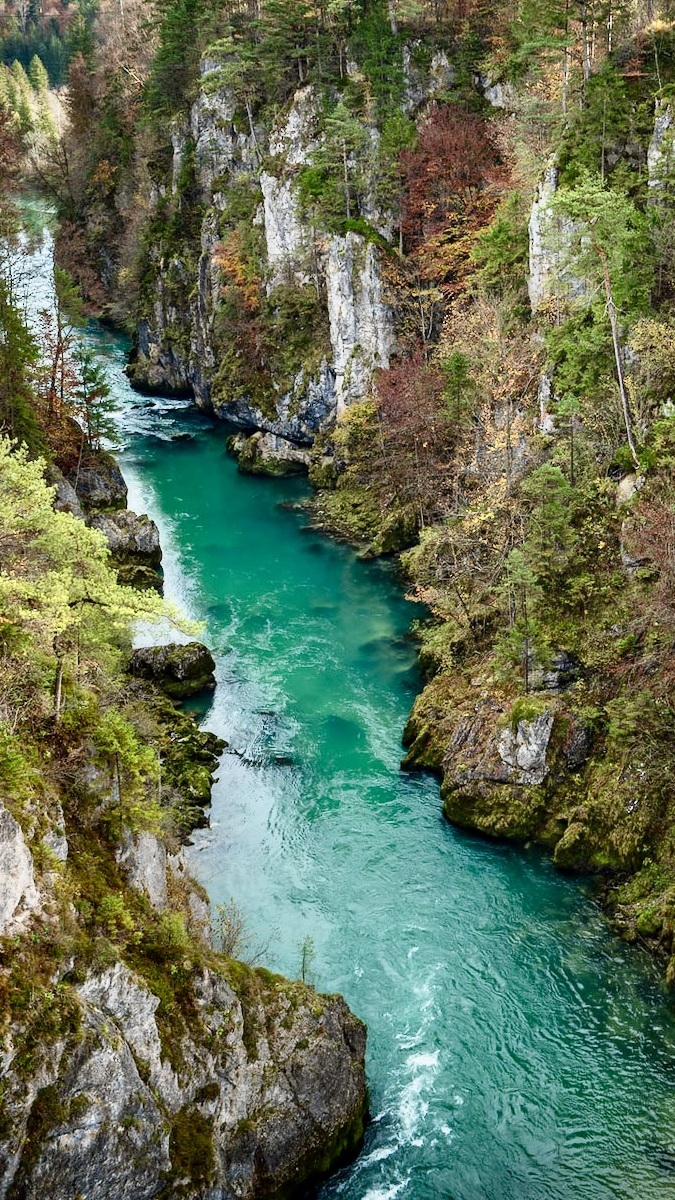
(178, 670)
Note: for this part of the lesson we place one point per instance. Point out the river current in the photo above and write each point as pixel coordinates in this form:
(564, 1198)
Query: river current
(516, 1050)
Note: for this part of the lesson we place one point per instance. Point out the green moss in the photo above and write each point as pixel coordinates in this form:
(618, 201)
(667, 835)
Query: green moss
(47, 1112)
(527, 708)
(191, 1147)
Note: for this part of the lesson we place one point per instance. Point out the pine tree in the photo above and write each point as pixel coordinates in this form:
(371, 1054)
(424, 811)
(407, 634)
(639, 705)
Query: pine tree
(609, 247)
(38, 75)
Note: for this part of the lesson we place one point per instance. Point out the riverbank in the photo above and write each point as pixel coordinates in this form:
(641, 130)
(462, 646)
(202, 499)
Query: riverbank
(315, 831)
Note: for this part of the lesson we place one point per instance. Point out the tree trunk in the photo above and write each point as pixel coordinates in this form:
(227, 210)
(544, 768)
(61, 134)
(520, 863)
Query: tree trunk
(585, 43)
(611, 312)
(391, 9)
(59, 691)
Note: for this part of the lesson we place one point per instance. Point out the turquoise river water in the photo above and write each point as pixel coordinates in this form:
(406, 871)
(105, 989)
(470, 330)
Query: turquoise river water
(516, 1050)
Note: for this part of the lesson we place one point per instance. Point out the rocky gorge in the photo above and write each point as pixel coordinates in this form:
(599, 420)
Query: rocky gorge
(162, 1068)
(426, 260)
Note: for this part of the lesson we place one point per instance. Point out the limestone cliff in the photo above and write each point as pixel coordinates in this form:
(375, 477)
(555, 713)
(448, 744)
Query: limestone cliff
(344, 271)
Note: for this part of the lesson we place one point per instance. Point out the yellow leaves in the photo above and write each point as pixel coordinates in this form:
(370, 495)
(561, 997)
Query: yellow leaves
(229, 256)
(55, 574)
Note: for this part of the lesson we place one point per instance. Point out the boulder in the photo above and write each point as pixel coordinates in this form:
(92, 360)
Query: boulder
(259, 1093)
(129, 535)
(98, 482)
(65, 497)
(267, 454)
(178, 670)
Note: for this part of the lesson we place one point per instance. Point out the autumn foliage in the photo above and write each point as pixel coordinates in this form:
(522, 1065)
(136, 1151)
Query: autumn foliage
(451, 183)
(416, 436)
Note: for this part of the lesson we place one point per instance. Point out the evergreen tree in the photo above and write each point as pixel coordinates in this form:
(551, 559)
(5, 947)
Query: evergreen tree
(38, 75)
(92, 398)
(608, 246)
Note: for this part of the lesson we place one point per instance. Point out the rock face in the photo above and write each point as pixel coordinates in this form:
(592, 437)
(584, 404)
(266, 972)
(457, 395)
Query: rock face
(143, 858)
(523, 750)
(541, 263)
(259, 1092)
(65, 498)
(550, 236)
(129, 535)
(176, 346)
(361, 332)
(660, 152)
(179, 670)
(98, 483)
(18, 893)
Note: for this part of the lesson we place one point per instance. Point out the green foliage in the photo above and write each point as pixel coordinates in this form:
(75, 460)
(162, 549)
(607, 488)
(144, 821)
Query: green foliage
(307, 951)
(114, 915)
(378, 52)
(56, 578)
(18, 358)
(175, 66)
(501, 251)
(38, 75)
(191, 1147)
(136, 774)
(263, 352)
(333, 180)
(93, 399)
(608, 235)
(601, 129)
(460, 386)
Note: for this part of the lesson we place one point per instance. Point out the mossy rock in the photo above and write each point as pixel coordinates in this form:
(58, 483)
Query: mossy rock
(178, 670)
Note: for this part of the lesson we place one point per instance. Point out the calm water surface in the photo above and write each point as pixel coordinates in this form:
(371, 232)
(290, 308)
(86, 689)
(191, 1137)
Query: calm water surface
(516, 1050)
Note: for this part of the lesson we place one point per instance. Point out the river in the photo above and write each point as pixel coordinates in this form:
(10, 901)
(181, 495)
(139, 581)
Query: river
(517, 1051)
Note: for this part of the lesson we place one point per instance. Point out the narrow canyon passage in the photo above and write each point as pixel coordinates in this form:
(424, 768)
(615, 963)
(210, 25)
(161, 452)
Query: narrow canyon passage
(516, 1050)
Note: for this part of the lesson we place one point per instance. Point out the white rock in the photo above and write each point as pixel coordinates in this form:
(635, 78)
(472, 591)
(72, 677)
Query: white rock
(143, 859)
(18, 893)
(627, 488)
(294, 139)
(120, 995)
(288, 239)
(498, 95)
(550, 239)
(361, 332)
(660, 152)
(540, 254)
(525, 750)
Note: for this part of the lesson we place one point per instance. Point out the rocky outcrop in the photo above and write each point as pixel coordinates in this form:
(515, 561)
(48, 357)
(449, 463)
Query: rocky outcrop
(260, 1091)
(550, 270)
(65, 496)
(344, 269)
(143, 859)
(361, 330)
(542, 260)
(94, 491)
(18, 893)
(97, 482)
(660, 151)
(287, 239)
(523, 750)
(148, 1065)
(178, 670)
(129, 536)
(267, 454)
